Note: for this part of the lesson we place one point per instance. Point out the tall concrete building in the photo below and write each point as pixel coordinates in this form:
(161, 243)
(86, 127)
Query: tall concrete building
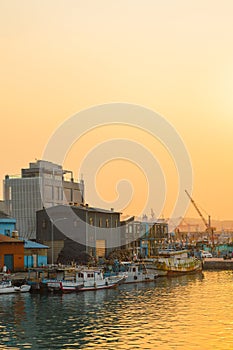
(42, 185)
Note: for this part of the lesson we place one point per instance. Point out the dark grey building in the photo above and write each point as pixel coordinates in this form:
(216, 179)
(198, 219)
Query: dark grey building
(43, 184)
(70, 230)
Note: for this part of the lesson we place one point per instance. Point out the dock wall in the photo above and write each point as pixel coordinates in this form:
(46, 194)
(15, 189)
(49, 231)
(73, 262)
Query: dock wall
(217, 264)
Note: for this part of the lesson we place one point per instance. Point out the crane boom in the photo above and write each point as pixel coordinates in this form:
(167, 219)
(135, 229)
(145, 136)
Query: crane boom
(209, 228)
(198, 210)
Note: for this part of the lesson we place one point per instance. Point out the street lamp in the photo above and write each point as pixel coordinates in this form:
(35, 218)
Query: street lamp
(52, 235)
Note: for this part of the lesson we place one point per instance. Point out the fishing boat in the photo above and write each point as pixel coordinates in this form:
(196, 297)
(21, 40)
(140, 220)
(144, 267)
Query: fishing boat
(61, 279)
(90, 279)
(24, 288)
(6, 287)
(136, 273)
(173, 262)
(66, 286)
(83, 279)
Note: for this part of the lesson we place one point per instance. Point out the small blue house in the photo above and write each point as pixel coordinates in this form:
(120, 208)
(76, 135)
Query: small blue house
(7, 224)
(35, 254)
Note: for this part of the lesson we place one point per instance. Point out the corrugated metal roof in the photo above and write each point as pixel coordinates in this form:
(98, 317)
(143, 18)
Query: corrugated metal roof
(99, 210)
(82, 207)
(34, 245)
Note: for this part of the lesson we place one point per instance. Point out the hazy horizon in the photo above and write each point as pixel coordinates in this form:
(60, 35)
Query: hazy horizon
(175, 58)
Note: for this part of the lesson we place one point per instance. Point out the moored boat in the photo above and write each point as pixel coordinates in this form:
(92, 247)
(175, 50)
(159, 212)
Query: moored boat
(84, 279)
(93, 279)
(54, 279)
(24, 288)
(174, 263)
(6, 287)
(136, 273)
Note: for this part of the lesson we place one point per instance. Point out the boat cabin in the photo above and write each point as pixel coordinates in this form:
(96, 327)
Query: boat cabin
(85, 275)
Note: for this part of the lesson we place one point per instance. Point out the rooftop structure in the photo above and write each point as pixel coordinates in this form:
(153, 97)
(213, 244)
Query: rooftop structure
(44, 184)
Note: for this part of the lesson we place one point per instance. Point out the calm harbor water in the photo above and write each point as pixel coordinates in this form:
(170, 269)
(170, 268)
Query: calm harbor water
(186, 312)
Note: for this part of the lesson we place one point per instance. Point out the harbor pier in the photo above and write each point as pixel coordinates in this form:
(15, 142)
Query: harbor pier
(218, 264)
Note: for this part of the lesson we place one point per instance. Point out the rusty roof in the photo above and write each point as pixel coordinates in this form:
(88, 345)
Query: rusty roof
(6, 239)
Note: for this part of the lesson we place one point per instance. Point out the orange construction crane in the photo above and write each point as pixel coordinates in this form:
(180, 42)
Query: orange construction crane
(209, 228)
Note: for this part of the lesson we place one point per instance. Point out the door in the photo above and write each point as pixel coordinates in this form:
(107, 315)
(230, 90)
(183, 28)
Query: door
(100, 248)
(9, 261)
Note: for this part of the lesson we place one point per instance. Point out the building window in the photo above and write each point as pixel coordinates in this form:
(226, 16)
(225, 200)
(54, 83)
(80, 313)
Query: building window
(91, 221)
(107, 222)
(43, 223)
(10, 193)
(116, 223)
(7, 233)
(100, 222)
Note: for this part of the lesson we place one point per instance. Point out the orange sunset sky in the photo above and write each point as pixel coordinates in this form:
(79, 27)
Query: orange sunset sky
(173, 57)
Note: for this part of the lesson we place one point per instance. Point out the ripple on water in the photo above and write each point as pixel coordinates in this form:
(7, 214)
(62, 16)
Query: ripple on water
(177, 313)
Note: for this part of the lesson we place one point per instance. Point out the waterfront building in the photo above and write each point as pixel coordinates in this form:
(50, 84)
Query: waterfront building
(7, 224)
(75, 230)
(35, 254)
(155, 238)
(11, 253)
(43, 184)
(143, 238)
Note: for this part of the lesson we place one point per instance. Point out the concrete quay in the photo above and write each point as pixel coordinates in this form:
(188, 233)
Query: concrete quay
(217, 264)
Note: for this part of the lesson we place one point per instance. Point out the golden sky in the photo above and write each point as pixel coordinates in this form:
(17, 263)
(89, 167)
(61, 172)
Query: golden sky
(173, 57)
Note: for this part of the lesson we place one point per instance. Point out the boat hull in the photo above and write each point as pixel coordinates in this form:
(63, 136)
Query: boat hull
(24, 288)
(106, 283)
(7, 290)
(141, 278)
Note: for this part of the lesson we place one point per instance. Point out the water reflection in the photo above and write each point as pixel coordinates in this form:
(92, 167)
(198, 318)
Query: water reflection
(186, 312)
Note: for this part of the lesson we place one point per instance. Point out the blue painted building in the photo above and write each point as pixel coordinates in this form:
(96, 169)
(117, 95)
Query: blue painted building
(35, 254)
(7, 224)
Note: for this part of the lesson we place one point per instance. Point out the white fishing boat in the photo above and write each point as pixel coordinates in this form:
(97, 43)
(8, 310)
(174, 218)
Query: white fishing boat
(84, 279)
(91, 279)
(6, 287)
(136, 273)
(64, 280)
(24, 288)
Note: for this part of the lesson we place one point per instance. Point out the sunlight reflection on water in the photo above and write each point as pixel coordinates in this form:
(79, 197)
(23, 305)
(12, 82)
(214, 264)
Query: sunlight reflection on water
(186, 312)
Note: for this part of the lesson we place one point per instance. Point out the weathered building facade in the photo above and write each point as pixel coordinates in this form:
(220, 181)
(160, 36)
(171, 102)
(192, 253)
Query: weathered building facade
(35, 254)
(7, 224)
(11, 253)
(43, 184)
(78, 229)
(143, 238)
